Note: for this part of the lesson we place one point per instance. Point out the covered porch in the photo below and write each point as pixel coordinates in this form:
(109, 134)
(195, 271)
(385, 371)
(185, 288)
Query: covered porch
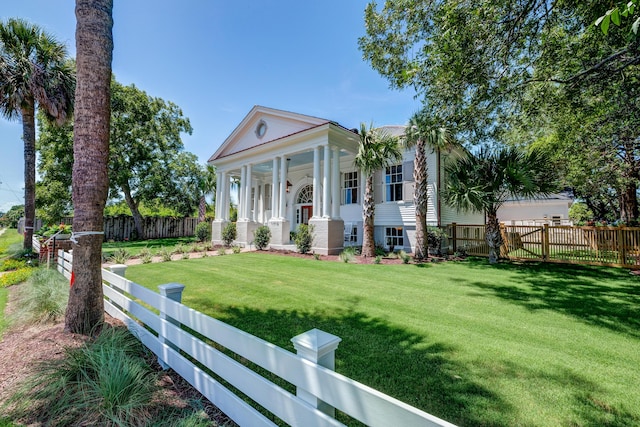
(286, 181)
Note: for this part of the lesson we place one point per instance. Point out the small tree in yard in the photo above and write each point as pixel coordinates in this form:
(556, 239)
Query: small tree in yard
(203, 231)
(483, 181)
(304, 238)
(229, 234)
(261, 237)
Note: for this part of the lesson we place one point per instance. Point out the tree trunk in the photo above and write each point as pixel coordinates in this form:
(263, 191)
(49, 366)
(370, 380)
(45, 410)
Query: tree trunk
(202, 209)
(368, 213)
(493, 236)
(29, 139)
(629, 204)
(135, 212)
(420, 197)
(94, 46)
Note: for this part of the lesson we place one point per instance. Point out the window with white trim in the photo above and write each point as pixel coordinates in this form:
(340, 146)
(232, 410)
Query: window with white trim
(350, 188)
(394, 236)
(393, 183)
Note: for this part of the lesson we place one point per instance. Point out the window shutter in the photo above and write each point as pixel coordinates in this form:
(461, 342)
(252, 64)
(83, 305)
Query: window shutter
(407, 191)
(407, 171)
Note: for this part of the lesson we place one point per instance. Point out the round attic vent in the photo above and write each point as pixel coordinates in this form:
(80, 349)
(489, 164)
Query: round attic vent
(261, 128)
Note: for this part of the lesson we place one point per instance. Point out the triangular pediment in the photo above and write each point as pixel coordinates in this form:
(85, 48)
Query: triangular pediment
(262, 126)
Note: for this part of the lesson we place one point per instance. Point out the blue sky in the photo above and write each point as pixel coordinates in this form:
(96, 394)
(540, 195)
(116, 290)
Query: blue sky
(217, 59)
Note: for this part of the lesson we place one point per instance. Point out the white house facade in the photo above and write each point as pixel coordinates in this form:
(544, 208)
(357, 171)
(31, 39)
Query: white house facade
(291, 169)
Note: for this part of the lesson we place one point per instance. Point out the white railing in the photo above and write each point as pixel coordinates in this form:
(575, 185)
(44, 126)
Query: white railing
(319, 388)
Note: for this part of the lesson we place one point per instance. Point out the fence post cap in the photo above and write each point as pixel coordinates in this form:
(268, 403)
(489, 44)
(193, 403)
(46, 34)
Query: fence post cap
(172, 290)
(118, 269)
(171, 286)
(316, 340)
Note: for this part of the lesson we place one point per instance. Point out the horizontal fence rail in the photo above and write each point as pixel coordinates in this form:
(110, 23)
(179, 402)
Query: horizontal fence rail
(179, 349)
(613, 246)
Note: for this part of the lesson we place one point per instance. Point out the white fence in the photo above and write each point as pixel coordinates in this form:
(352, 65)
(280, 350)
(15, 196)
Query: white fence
(319, 388)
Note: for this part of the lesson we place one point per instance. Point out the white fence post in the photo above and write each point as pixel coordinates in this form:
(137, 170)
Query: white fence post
(319, 347)
(120, 270)
(173, 291)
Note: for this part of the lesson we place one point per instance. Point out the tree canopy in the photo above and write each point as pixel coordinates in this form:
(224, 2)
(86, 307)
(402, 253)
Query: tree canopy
(147, 161)
(523, 72)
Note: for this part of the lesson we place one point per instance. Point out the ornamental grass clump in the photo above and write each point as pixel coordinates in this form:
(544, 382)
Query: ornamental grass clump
(146, 256)
(347, 255)
(42, 299)
(104, 382)
(120, 256)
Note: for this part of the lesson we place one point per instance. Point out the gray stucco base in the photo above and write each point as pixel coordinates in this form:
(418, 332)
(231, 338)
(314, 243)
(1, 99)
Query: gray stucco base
(280, 231)
(216, 231)
(245, 232)
(328, 235)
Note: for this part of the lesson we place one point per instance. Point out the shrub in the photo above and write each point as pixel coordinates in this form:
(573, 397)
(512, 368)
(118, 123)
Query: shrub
(347, 255)
(435, 237)
(378, 259)
(229, 234)
(380, 250)
(316, 256)
(261, 237)
(236, 249)
(12, 264)
(15, 277)
(207, 246)
(222, 251)
(304, 238)
(203, 232)
(120, 256)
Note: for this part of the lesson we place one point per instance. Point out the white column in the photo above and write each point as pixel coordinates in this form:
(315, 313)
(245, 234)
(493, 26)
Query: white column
(224, 196)
(335, 184)
(316, 182)
(275, 204)
(326, 182)
(247, 192)
(243, 177)
(283, 187)
(256, 194)
(218, 194)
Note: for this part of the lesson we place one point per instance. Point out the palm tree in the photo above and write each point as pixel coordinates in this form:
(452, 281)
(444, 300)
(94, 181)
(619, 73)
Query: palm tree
(90, 183)
(34, 74)
(206, 185)
(421, 134)
(377, 150)
(484, 180)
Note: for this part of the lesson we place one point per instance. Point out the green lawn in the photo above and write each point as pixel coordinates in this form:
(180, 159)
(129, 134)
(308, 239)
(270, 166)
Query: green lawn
(478, 345)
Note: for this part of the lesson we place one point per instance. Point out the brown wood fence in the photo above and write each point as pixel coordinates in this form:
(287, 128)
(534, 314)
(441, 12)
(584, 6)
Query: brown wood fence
(122, 227)
(614, 246)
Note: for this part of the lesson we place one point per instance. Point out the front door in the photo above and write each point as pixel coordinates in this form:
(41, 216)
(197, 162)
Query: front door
(307, 212)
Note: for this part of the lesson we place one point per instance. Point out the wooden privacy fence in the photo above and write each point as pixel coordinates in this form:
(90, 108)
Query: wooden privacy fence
(122, 227)
(318, 390)
(614, 246)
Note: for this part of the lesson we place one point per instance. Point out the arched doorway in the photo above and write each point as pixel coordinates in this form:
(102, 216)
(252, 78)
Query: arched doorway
(304, 205)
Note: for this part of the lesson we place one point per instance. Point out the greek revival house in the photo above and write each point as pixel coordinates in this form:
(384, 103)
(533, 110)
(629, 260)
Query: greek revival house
(289, 169)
